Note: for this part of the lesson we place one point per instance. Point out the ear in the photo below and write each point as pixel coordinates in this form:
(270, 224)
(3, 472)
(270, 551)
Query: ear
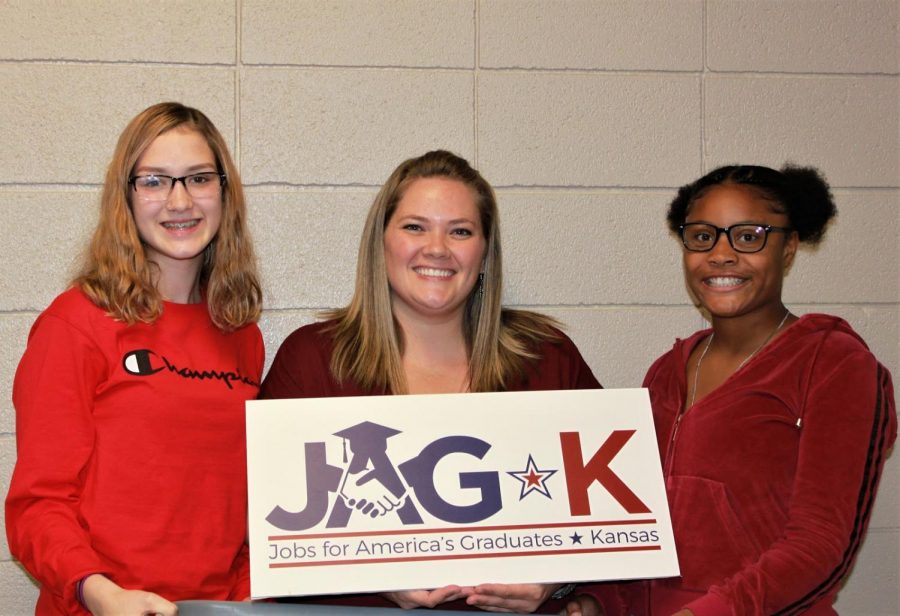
(791, 242)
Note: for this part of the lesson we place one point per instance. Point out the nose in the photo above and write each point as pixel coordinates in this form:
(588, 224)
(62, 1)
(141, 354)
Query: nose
(722, 252)
(436, 245)
(179, 198)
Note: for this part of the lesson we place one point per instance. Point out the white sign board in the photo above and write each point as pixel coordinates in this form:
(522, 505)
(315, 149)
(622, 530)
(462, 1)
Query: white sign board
(386, 493)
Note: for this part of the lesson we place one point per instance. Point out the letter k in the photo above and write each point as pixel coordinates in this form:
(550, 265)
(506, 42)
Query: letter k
(579, 476)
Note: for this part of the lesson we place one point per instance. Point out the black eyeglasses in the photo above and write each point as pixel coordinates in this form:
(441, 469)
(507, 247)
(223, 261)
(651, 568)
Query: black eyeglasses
(156, 187)
(745, 237)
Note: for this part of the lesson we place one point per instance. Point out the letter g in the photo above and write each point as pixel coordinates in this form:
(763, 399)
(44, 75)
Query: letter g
(419, 474)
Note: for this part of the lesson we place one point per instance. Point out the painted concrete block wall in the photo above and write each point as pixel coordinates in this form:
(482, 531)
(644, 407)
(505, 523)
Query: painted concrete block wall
(584, 115)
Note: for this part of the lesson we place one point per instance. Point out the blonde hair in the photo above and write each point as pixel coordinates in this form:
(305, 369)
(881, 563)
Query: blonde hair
(368, 343)
(117, 275)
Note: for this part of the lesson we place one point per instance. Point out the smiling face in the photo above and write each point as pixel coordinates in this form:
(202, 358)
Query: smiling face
(728, 283)
(433, 248)
(175, 231)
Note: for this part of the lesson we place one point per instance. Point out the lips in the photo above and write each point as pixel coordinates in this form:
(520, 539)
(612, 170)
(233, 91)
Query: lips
(433, 272)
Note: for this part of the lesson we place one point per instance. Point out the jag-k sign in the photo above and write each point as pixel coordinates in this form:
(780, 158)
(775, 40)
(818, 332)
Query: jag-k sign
(380, 493)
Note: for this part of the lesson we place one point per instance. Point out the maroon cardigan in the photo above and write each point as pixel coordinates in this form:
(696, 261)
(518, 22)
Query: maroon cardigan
(301, 370)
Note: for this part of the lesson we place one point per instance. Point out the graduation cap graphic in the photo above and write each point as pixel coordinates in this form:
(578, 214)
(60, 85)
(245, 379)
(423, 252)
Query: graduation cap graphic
(367, 441)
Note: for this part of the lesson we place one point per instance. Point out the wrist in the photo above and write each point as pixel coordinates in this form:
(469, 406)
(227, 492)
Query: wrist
(79, 592)
(92, 590)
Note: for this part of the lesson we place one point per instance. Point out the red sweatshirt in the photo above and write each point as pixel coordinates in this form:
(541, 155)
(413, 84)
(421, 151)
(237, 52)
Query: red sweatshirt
(131, 453)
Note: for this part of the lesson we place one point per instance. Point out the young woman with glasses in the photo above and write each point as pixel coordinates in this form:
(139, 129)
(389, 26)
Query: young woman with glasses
(426, 317)
(772, 428)
(129, 489)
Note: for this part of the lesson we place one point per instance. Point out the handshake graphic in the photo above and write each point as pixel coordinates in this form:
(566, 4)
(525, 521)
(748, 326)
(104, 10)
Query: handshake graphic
(366, 492)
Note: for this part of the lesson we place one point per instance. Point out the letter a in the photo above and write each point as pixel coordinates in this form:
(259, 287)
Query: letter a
(580, 476)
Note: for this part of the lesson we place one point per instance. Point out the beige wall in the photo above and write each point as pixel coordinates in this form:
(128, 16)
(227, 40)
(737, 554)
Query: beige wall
(584, 115)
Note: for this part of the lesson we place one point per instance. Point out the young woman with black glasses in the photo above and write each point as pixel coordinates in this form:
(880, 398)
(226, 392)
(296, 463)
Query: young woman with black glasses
(772, 428)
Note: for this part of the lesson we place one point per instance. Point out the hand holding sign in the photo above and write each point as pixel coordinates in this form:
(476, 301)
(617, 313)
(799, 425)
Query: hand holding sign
(518, 598)
(411, 599)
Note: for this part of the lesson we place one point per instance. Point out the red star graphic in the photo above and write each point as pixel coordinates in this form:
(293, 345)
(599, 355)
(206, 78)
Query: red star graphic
(533, 479)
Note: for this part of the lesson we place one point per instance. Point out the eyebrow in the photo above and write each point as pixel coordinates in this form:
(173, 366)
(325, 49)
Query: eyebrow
(198, 168)
(740, 222)
(455, 221)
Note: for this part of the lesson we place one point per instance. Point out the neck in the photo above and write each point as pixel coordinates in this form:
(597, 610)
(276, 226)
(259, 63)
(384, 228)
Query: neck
(433, 339)
(180, 282)
(435, 359)
(741, 335)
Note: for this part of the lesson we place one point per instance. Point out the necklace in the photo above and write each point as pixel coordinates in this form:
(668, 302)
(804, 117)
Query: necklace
(740, 365)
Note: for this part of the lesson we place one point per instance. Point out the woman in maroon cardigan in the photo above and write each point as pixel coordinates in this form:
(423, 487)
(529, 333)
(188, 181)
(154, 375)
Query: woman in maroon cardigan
(426, 318)
(773, 428)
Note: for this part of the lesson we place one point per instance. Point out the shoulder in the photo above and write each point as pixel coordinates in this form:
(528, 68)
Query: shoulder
(308, 347)
(820, 346)
(250, 339)
(72, 302)
(558, 343)
(531, 332)
(840, 375)
(557, 363)
(308, 338)
(524, 321)
(825, 349)
(301, 368)
(73, 309)
(672, 362)
(831, 333)
(71, 329)
(538, 333)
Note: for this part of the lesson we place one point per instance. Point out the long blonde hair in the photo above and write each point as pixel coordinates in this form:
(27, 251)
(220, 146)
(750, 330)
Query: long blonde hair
(117, 275)
(368, 343)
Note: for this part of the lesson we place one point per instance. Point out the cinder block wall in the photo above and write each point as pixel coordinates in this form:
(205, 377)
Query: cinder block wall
(584, 115)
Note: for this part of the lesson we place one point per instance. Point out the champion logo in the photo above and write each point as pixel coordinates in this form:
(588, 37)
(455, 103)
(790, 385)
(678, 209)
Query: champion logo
(144, 362)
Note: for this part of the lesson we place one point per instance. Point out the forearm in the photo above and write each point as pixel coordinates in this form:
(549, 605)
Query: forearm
(103, 597)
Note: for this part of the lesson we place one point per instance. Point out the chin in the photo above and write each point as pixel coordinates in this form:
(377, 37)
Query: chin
(718, 310)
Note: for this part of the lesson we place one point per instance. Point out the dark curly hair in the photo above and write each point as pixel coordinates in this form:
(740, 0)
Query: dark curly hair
(801, 193)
